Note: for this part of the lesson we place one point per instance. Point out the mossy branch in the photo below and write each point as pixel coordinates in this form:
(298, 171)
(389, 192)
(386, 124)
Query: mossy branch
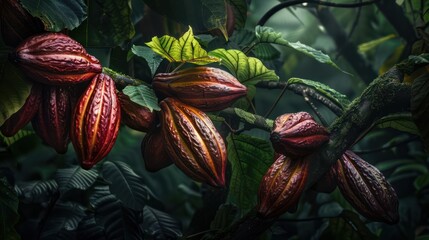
(122, 79)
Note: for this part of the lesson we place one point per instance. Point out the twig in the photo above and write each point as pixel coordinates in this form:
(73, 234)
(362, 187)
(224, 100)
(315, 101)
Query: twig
(122, 79)
(286, 4)
(277, 100)
(315, 110)
(248, 118)
(352, 30)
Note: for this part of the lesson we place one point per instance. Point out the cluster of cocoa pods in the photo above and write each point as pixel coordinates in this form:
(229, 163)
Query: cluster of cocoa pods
(295, 137)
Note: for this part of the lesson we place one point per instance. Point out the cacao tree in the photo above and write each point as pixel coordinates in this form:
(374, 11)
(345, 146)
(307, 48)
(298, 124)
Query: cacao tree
(176, 119)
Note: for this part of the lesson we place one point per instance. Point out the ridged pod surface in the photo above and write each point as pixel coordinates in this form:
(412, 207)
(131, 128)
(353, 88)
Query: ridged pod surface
(154, 151)
(297, 134)
(16, 23)
(96, 120)
(135, 116)
(193, 143)
(52, 121)
(55, 59)
(366, 189)
(282, 186)
(206, 88)
(24, 115)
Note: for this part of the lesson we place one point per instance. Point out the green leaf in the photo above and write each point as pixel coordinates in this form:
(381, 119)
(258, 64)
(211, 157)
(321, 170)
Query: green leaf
(8, 211)
(57, 14)
(36, 191)
(216, 16)
(18, 136)
(184, 49)
(153, 60)
(240, 12)
(336, 97)
(401, 121)
(120, 26)
(142, 95)
(63, 221)
(248, 70)
(410, 167)
(420, 106)
(347, 226)
(14, 90)
(250, 158)
(126, 185)
(266, 51)
(387, 165)
(75, 178)
(225, 216)
(268, 35)
(89, 230)
(160, 225)
(421, 181)
(365, 47)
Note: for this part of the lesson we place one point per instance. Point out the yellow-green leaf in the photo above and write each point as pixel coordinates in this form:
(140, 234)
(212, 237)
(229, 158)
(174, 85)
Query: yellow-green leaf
(248, 70)
(184, 49)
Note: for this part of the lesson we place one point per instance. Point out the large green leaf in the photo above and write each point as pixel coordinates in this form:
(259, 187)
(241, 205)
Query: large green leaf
(126, 185)
(240, 12)
(184, 49)
(339, 99)
(63, 221)
(365, 47)
(401, 121)
(142, 95)
(216, 16)
(120, 26)
(8, 211)
(248, 70)
(36, 191)
(160, 225)
(89, 230)
(268, 35)
(153, 60)
(75, 178)
(18, 136)
(14, 90)
(57, 14)
(250, 158)
(420, 106)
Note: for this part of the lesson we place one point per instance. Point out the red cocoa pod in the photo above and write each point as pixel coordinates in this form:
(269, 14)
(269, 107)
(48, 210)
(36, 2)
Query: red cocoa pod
(206, 88)
(154, 151)
(55, 59)
(366, 189)
(96, 120)
(16, 23)
(282, 186)
(52, 121)
(24, 115)
(297, 134)
(134, 115)
(327, 183)
(193, 143)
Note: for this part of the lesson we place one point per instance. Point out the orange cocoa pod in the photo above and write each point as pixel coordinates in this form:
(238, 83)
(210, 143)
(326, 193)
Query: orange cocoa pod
(366, 189)
(154, 151)
(206, 88)
(52, 121)
(282, 186)
(193, 143)
(96, 120)
(55, 59)
(16, 23)
(24, 115)
(134, 115)
(297, 134)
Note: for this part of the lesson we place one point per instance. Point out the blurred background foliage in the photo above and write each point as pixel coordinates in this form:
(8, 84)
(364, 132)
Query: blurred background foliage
(58, 200)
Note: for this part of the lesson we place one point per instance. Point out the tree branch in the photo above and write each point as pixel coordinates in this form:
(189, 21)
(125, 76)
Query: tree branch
(384, 96)
(122, 79)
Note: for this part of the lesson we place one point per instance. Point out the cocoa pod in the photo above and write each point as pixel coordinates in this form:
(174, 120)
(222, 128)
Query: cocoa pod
(282, 186)
(55, 59)
(134, 115)
(52, 121)
(193, 143)
(16, 23)
(206, 88)
(96, 120)
(366, 189)
(24, 115)
(154, 151)
(297, 134)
